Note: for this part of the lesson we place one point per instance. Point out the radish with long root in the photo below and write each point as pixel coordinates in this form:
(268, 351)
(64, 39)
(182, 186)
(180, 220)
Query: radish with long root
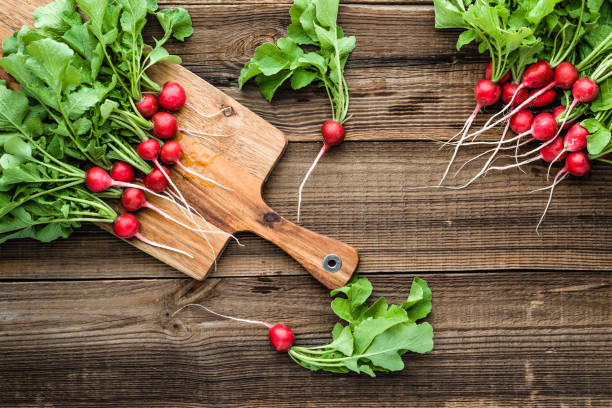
(281, 337)
(575, 140)
(127, 226)
(322, 63)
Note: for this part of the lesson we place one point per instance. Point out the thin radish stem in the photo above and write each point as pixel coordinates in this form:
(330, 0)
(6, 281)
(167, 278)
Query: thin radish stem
(314, 164)
(519, 143)
(449, 141)
(515, 110)
(553, 162)
(506, 107)
(158, 245)
(268, 325)
(193, 173)
(552, 189)
(463, 137)
(228, 110)
(201, 135)
(515, 138)
(511, 166)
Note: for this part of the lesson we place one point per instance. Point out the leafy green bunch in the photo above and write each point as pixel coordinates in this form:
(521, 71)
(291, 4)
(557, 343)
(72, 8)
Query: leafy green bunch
(376, 336)
(313, 24)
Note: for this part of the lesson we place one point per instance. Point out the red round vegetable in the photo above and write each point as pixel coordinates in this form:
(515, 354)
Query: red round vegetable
(578, 164)
(538, 75)
(333, 133)
(172, 96)
(97, 179)
(553, 151)
(544, 99)
(585, 90)
(126, 226)
(565, 75)
(558, 111)
(147, 105)
(281, 337)
(576, 138)
(508, 91)
(149, 149)
(171, 152)
(487, 92)
(164, 125)
(488, 73)
(156, 181)
(544, 127)
(122, 171)
(521, 122)
(133, 199)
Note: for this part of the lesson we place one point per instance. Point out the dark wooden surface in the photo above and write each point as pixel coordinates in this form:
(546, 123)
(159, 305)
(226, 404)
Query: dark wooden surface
(520, 319)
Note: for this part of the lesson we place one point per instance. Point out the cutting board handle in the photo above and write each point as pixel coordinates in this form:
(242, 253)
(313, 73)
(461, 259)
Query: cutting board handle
(330, 261)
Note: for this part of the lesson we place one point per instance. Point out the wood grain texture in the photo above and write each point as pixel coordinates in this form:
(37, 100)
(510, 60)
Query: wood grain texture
(361, 194)
(501, 340)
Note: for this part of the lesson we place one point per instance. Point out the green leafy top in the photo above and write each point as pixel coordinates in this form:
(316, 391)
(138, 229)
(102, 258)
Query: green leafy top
(313, 23)
(376, 336)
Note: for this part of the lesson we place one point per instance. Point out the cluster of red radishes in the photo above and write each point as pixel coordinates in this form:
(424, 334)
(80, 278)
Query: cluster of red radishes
(171, 98)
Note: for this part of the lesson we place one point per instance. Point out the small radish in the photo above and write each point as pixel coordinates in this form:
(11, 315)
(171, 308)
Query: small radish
(147, 106)
(584, 90)
(333, 135)
(486, 93)
(172, 96)
(122, 171)
(489, 71)
(544, 127)
(156, 181)
(127, 226)
(149, 149)
(544, 99)
(97, 180)
(554, 151)
(521, 122)
(164, 125)
(281, 337)
(510, 95)
(537, 75)
(575, 140)
(558, 111)
(565, 75)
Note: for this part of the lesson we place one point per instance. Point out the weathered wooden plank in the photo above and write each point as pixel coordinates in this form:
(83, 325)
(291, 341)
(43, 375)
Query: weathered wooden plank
(408, 82)
(524, 339)
(361, 195)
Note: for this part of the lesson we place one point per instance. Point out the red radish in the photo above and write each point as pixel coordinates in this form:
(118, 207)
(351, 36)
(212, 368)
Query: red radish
(149, 149)
(333, 135)
(164, 125)
(554, 151)
(486, 93)
(281, 336)
(156, 181)
(510, 95)
(538, 75)
(172, 96)
(544, 99)
(489, 71)
(544, 127)
(558, 111)
(521, 122)
(576, 138)
(147, 106)
(584, 90)
(122, 171)
(97, 180)
(127, 226)
(565, 75)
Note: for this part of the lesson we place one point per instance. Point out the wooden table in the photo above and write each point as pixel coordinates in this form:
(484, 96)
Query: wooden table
(520, 319)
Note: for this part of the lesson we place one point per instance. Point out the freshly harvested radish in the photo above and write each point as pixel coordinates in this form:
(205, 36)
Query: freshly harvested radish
(127, 226)
(149, 149)
(575, 140)
(122, 171)
(558, 111)
(164, 125)
(584, 90)
(156, 180)
(147, 106)
(513, 96)
(281, 337)
(172, 96)
(333, 135)
(544, 99)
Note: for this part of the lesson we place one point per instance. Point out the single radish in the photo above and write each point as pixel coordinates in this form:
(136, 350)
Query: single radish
(558, 111)
(127, 226)
(584, 90)
(164, 125)
(147, 106)
(553, 152)
(281, 337)
(489, 71)
(577, 164)
(172, 153)
(486, 93)
(172, 96)
(510, 95)
(544, 99)
(575, 140)
(538, 75)
(156, 181)
(149, 149)
(122, 171)
(333, 135)
(521, 122)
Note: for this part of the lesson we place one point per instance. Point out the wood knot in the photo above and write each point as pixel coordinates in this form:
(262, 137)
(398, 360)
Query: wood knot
(271, 218)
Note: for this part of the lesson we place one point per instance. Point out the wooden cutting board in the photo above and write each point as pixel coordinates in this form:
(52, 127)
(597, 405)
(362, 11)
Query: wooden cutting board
(240, 161)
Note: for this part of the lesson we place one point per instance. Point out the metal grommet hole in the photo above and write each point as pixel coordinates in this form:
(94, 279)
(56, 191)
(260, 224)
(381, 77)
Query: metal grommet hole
(332, 263)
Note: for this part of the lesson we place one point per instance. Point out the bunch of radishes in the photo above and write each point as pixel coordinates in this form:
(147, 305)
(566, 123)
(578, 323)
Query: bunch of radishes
(159, 149)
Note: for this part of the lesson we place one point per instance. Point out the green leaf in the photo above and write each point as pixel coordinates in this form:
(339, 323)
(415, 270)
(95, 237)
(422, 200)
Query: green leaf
(302, 77)
(80, 102)
(346, 45)
(367, 330)
(598, 138)
(344, 342)
(14, 107)
(106, 109)
(418, 304)
(95, 10)
(50, 63)
(326, 37)
(160, 54)
(466, 37)
(49, 18)
(176, 21)
(18, 148)
(250, 70)
(269, 84)
(270, 59)
(327, 12)
(449, 14)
